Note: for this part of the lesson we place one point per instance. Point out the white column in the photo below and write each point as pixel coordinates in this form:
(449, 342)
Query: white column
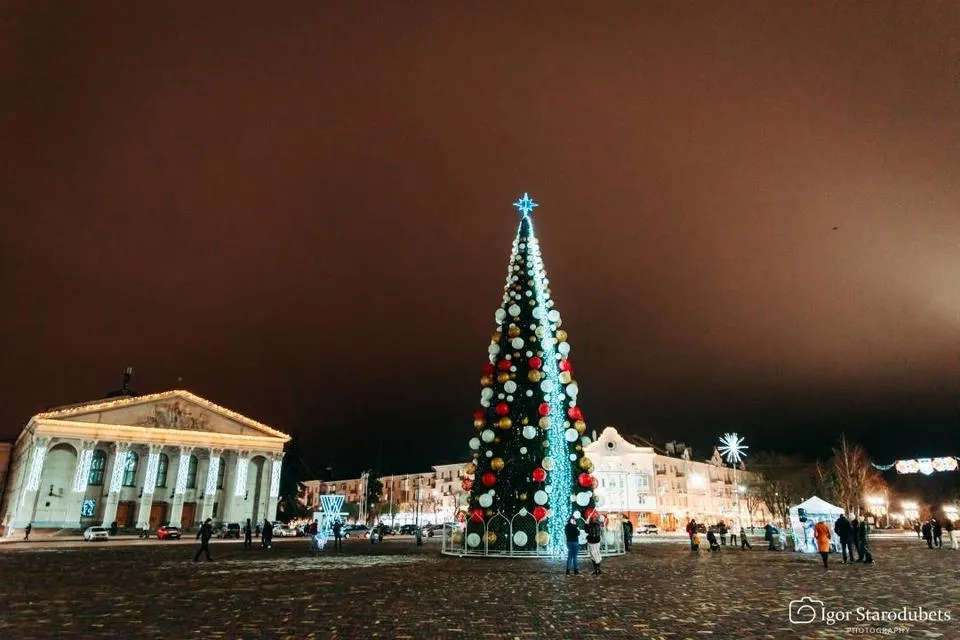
(235, 494)
(149, 486)
(120, 452)
(274, 496)
(80, 476)
(27, 495)
(183, 466)
(210, 488)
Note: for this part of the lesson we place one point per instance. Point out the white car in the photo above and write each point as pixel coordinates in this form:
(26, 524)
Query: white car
(284, 532)
(96, 533)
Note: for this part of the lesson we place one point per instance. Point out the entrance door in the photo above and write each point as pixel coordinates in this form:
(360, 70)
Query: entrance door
(124, 514)
(158, 514)
(189, 515)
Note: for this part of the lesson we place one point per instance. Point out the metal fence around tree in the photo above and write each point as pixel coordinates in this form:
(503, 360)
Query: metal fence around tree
(521, 536)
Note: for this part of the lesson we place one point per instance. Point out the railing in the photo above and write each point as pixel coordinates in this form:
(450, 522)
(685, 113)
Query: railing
(520, 537)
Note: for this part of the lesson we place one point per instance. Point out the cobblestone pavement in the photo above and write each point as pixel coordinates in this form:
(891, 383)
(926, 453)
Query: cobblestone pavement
(396, 590)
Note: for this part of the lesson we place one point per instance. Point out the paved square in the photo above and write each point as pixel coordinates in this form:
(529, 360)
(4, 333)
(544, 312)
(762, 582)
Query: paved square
(395, 590)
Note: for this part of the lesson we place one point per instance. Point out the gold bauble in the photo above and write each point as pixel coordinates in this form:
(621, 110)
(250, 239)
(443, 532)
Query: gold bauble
(496, 440)
(533, 303)
(513, 331)
(496, 464)
(491, 537)
(478, 424)
(579, 447)
(495, 338)
(580, 426)
(456, 537)
(543, 538)
(529, 283)
(522, 496)
(544, 422)
(546, 444)
(561, 335)
(565, 377)
(489, 512)
(585, 463)
(470, 469)
(516, 354)
(525, 420)
(486, 381)
(502, 377)
(505, 423)
(534, 375)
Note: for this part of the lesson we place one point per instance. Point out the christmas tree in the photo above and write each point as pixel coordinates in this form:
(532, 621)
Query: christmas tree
(528, 461)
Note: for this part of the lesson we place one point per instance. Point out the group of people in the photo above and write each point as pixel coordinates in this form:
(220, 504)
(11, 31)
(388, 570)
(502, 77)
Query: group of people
(932, 531)
(735, 533)
(854, 535)
(594, 531)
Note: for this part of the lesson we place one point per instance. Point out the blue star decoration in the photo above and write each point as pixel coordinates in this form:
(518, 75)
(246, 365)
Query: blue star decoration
(525, 204)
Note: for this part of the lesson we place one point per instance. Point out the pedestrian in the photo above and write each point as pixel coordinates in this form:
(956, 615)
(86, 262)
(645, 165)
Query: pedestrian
(734, 533)
(594, 535)
(863, 542)
(712, 539)
(916, 527)
(744, 543)
(844, 531)
(204, 535)
(692, 533)
(27, 530)
(627, 534)
(822, 534)
(266, 535)
(948, 527)
(572, 534)
(248, 535)
(768, 536)
(380, 531)
(936, 530)
(927, 530)
(722, 529)
(337, 534)
(855, 525)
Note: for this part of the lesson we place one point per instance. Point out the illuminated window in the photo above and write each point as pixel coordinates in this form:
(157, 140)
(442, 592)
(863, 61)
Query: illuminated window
(192, 473)
(97, 465)
(162, 465)
(130, 469)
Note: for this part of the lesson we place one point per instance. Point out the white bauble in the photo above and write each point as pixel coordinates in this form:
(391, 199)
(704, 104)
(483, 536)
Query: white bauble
(513, 369)
(520, 539)
(571, 435)
(487, 435)
(529, 392)
(547, 385)
(583, 537)
(548, 488)
(474, 443)
(529, 354)
(473, 540)
(540, 497)
(573, 390)
(583, 498)
(564, 348)
(538, 312)
(584, 440)
(509, 398)
(514, 310)
(523, 450)
(573, 457)
(493, 349)
(517, 343)
(529, 432)
(485, 500)
(500, 316)
(489, 454)
(548, 463)
(501, 396)
(539, 331)
(509, 386)
(486, 393)
(554, 316)
(484, 402)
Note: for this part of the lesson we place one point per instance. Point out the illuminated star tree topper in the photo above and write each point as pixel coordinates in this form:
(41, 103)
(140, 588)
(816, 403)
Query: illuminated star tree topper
(525, 205)
(732, 448)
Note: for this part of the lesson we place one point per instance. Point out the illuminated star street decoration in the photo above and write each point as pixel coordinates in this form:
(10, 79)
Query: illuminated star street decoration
(525, 204)
(732, 448)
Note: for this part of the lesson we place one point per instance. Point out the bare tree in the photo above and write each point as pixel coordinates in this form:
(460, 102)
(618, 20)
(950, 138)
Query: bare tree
(784, 482)
(851, 476)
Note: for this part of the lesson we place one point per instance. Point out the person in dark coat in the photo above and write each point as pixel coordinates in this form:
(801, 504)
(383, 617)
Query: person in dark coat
(855, 536)
(863, 542)
(266, 539)
(692, 533)
(204, 535)
(845, 532)
(572, 533)
(916, 527)
(248, 535)
(722, 530)
(27, 530)
(594, 536)
(627, 534)
(768, 536)
(927, 532)
(337, 534)
(936, 529)
(712, 539)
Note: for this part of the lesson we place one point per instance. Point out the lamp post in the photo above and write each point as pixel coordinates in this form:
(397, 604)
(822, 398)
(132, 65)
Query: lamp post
(734, 451)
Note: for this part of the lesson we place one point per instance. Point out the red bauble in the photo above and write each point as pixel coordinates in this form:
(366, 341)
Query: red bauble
(538, 475)
(476, 514)
(502, 409)
(535, 362)
(489, 479)
(575, 413)
(479, 414)
(539, 513)
(566, 365)
(589, 513)
(584, 480)
(504, 365)
(543, 409)
(488, 369)
(467, 484)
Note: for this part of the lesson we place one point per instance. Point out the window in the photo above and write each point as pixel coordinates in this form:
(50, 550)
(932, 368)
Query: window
(192, 473)
(643, 483)
(220, 474)
(97, 465)
(162, 466)
(130, 469)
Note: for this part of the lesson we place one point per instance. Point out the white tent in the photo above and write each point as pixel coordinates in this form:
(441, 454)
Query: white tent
(814, 511)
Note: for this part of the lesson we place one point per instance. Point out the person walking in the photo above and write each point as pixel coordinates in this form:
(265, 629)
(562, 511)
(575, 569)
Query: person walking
(855, 525)
(722, 530)
(337, 535)
(936, 529)
(744, 543)
(572, 534)
(594, 535)
(916, 527)
(248, 535)
(927, 531)
(768, 536)
(948, 527)
(204, 535)
(266, 536)
(844, 531)
(380, 531)
(734, 533)
(27, 530)
(627, 534)
(821, 532)
(692, 533)
(863, 542)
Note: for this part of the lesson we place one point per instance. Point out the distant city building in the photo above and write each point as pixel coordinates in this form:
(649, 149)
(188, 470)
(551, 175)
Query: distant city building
(634, 479)
(141, 461)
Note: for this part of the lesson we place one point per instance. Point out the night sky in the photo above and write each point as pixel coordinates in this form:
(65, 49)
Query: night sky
(750, 214)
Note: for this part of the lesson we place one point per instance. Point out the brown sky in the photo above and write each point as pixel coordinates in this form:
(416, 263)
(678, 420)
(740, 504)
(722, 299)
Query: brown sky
(750, 212)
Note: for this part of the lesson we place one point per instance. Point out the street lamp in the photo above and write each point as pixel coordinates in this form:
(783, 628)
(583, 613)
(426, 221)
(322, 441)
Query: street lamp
(878, 505)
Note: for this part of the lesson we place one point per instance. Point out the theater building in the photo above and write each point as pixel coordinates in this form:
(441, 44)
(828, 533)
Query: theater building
(142, 461)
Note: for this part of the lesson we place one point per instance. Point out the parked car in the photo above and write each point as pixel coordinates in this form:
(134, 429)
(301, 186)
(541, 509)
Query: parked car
(283, 531)
(408, 530)
(437, 529)
(229, 530)
(649, 529)
(165, 532)
(356, 531)
(96, 533)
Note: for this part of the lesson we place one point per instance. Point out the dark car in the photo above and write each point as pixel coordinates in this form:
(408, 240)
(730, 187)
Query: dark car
(356, 531)
(408, 530)
(168, 533)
